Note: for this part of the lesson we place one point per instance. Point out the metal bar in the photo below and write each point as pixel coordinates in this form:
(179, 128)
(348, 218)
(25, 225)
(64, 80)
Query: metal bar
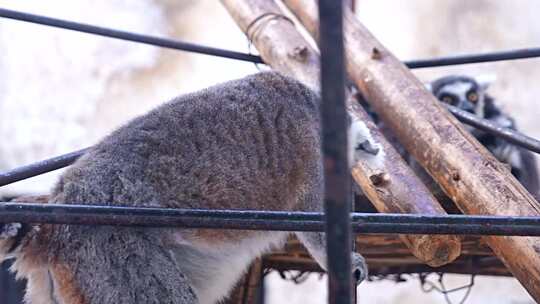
(134, 37)
(474, 58)
(191, 47)
(352, 5)
(264, 220)
(517, 138)
(40, 167)
(337, 184)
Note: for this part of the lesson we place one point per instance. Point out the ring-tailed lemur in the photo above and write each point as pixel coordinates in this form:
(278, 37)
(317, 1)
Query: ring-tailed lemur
(469, 94)
(252, 143)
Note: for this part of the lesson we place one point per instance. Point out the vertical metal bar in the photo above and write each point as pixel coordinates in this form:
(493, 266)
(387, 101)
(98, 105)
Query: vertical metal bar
(337, 177)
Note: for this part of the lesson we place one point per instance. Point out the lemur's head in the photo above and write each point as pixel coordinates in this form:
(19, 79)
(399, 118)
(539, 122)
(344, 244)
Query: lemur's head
(464, 92)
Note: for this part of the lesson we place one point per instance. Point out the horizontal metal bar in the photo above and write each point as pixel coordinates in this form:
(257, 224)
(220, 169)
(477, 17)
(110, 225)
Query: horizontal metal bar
(474, 58)
(112, 33)
(512, 136)
(264, 220)
(191, 47)
(40, 167)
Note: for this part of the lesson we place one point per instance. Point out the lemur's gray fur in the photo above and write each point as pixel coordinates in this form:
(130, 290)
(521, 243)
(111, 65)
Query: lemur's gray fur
(252, 143)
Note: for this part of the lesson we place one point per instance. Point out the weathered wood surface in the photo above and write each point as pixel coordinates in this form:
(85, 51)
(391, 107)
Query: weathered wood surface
(386, 254)
(467, 172)
(385, 178)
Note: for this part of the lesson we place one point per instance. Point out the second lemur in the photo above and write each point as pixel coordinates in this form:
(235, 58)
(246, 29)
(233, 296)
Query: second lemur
(470, 94)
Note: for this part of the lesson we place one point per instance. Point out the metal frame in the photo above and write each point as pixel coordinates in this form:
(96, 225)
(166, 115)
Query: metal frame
(266, 220)
(337, 179)
(337, 219)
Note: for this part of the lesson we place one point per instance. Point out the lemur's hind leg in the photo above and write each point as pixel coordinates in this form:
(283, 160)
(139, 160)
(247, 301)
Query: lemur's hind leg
(119, 265)
(13, 234)
(315, 242)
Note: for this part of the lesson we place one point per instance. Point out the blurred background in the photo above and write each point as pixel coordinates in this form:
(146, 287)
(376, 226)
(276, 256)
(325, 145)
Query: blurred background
(61, 91)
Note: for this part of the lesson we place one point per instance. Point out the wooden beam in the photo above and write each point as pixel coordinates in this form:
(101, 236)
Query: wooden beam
(467, 172)
(385, 178)
(380, 245)
(386, 254)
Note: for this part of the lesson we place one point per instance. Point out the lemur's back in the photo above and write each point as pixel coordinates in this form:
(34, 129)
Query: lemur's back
(228, 146)
(246, 144)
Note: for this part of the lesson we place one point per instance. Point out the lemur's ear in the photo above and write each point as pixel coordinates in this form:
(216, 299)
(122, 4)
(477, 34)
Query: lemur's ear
(485, 80)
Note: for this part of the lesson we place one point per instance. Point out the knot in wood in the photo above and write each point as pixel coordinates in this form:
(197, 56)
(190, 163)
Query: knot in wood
(379, 179)
(376, 54)
(300, 53)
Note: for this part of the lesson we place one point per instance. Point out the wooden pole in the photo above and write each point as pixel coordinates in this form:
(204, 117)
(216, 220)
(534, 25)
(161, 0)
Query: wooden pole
(387, 181)
(467, 172)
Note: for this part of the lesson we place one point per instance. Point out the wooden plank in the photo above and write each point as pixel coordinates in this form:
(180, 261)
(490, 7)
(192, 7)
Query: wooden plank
(467, 172)
(386, 254)
(385, 178)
